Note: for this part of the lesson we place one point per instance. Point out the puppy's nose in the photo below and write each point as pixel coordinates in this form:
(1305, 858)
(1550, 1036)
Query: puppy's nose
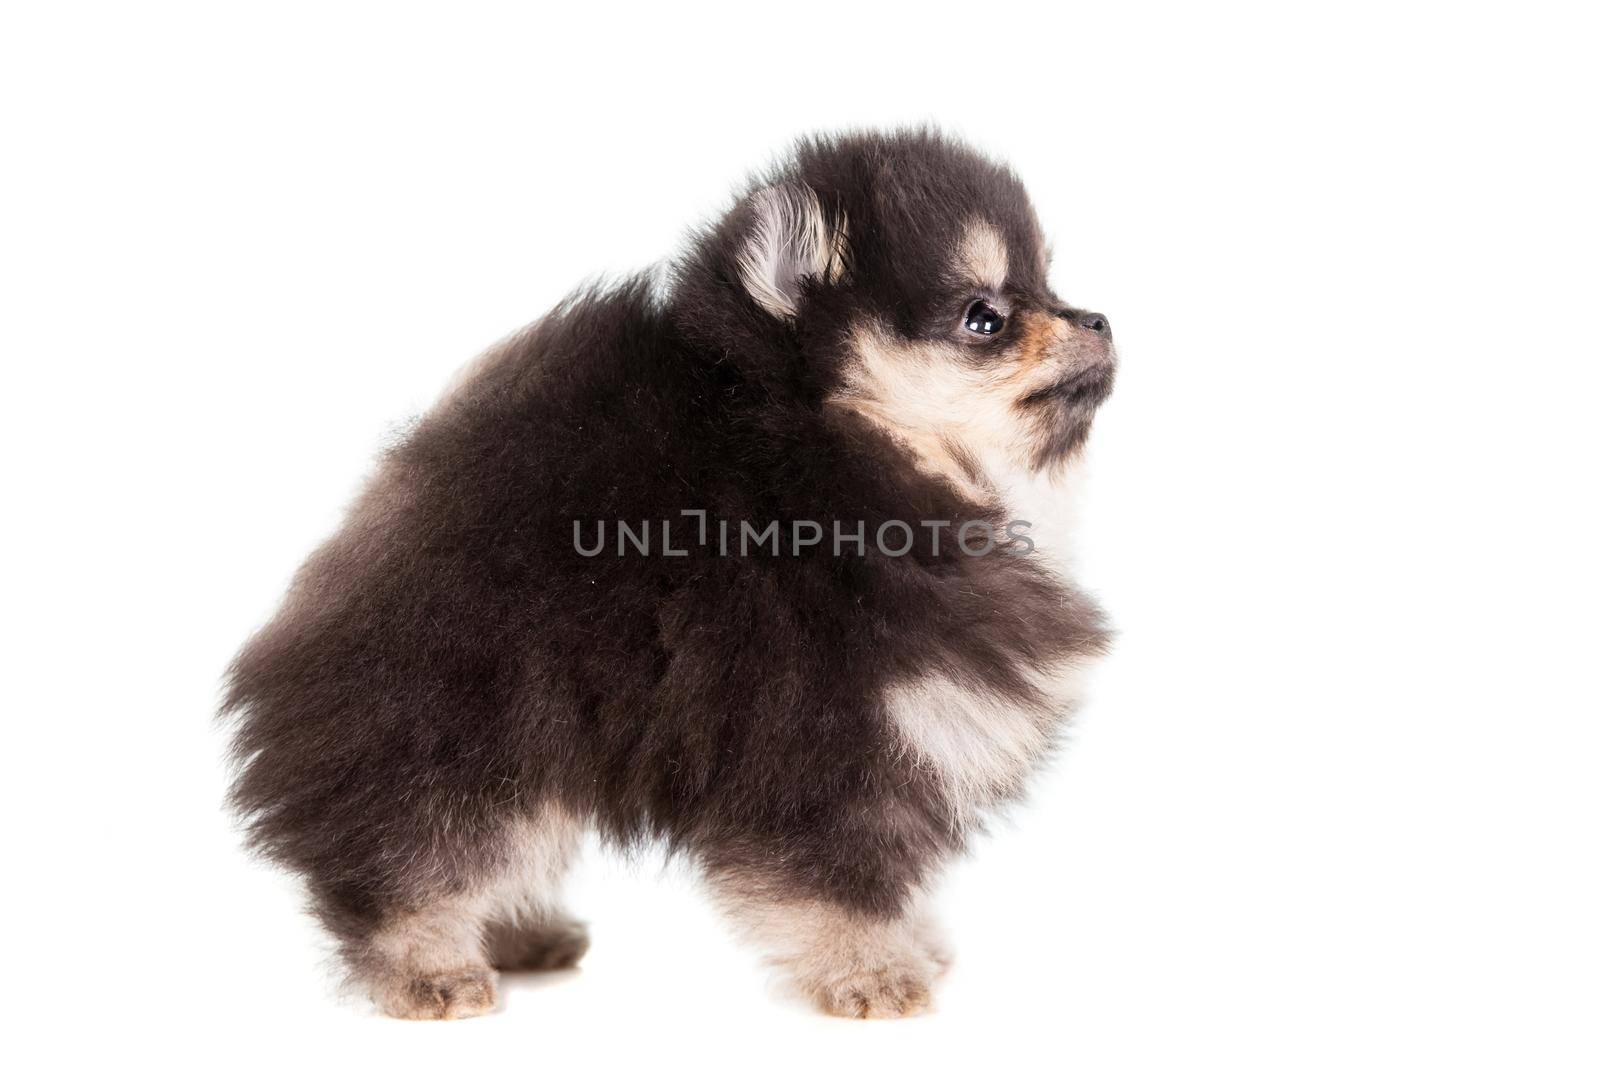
(1090, 320)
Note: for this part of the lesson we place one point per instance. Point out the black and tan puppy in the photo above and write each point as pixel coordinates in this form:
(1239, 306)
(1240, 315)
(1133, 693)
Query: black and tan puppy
(762, 564)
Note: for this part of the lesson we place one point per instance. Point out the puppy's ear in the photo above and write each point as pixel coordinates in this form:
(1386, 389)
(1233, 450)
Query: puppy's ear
(789, 238)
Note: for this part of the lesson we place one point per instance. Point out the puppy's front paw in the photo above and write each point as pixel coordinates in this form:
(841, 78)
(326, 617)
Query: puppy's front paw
(887, 992)
(554, 945)
(463, 994)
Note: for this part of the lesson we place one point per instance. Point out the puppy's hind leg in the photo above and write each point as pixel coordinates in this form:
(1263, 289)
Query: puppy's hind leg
(426, 960)
(554, 941)
(435, 955)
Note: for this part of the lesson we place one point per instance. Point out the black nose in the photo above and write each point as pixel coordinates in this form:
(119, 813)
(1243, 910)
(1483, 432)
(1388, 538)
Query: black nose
(1087, 319)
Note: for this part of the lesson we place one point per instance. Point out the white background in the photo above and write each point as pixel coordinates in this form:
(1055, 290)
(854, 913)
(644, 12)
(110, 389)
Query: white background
(1335, 800)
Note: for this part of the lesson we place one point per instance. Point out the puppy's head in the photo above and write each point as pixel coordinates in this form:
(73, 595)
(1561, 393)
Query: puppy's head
(910, 273)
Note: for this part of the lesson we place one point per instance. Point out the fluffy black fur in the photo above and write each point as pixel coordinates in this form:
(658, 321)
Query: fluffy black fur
(448, 660)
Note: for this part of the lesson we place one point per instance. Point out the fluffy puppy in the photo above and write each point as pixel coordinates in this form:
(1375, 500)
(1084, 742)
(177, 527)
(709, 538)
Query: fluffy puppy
(761, 564)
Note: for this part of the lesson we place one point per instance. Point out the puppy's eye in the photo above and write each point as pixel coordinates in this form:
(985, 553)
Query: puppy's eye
(983, 319)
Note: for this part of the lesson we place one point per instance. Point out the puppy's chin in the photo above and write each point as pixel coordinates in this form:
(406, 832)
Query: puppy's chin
(1059, 415)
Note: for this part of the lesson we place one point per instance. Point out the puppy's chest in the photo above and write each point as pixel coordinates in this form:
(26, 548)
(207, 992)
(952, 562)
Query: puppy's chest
(978, 742)
(1046, 512)
(977, 745)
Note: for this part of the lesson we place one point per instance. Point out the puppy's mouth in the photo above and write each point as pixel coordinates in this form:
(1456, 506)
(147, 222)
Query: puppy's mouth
(1087, 387)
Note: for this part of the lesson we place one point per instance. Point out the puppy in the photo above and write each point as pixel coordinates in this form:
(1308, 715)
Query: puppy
(761, 563)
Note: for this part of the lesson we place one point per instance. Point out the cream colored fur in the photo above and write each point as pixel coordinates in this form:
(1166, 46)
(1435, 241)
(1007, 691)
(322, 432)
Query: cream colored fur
(847, 964)
(436, 959)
